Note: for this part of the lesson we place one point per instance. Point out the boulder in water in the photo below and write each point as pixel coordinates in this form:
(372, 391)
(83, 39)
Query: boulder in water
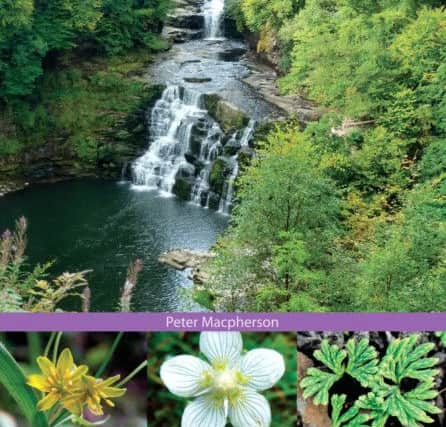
(228, 116)
(183, 188)
(221, 169)
(197, 79)
(182, 259)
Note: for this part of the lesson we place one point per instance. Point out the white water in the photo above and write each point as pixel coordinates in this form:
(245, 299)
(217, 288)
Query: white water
(213, 14)
(170, 128)
(228, 189)
(210, 149)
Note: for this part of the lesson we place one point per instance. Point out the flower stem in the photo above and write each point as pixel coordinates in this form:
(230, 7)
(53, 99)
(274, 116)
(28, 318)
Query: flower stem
(133, 374)
(63, 421)
(56, 346)
(109, 355)
(49, 344)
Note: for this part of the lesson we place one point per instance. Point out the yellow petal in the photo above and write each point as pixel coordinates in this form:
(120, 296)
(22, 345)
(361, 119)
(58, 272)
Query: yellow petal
(113, 391)
(65, 362)
(111, 380)
(73, 405)
(46, 366)
(48, 402)
(39, 382)
(79, 372)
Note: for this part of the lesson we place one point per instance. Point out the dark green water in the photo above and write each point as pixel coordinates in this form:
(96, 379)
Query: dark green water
(102, 226)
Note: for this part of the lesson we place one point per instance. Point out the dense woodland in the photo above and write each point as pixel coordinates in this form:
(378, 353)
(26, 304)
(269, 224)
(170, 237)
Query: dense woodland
(63, 65)
(348, 213)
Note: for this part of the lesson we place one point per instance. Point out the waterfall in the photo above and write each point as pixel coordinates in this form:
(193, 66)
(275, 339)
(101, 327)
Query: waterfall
(213, 13)
(210, 149)
(184, 144)
(228, 189)
(172, 119)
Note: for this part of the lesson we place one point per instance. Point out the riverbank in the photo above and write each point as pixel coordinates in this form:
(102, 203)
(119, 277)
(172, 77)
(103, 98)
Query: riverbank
(93, 122)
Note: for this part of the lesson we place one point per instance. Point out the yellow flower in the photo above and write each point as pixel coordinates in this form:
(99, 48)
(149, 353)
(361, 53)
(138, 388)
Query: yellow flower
(58, 381)
(96, 389)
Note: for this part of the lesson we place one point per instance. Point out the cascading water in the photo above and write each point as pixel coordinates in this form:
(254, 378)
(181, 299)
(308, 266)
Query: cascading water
(209, 151)
(186, 143)
(171, 123)
(213, 14)
(228, 189)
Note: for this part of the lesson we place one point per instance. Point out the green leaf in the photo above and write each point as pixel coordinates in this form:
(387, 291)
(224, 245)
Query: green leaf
(404, 359)
(351, 418)
(317, 384)
(362, 361)
(332, 357)
(13, 379)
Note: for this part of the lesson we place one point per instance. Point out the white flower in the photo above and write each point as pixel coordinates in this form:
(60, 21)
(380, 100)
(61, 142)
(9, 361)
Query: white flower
(228, 386)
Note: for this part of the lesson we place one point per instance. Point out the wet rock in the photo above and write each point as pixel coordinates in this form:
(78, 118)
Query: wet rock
(183, 188)
(182, 259)
(312, 415)
(232, 55)
(228, 116)
(186, 170)
(197, 79)
(221, 169)
(185, 18)
(214, 200)
(232, 147)
(181, 35)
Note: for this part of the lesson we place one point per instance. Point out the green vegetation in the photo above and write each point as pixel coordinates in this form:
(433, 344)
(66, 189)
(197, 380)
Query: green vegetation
(383, 382)
(65, 72)
(349, 213)
(25, 289)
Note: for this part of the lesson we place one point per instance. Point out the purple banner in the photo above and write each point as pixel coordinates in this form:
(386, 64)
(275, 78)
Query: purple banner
(157, 322)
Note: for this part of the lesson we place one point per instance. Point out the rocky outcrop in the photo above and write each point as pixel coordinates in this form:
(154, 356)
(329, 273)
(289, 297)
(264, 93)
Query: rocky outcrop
(185, 21)
(263, 79)
(228, 116)
(183, 259)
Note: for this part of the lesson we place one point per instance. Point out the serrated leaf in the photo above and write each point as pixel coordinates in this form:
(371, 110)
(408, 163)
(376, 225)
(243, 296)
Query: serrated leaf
(404, 359)
(13, 379)
(362, 361)
(351, 418)
(331, 356)
(317, 384)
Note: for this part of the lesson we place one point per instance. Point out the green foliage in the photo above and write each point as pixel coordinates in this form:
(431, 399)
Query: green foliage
(385, 394)
(292, 231)
(379, 69)
(129, 23)
(361, 364)
(32, 32)
(25, 289)
(14, 381)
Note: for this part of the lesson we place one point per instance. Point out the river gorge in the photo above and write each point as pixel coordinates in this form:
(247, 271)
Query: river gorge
(178, 193)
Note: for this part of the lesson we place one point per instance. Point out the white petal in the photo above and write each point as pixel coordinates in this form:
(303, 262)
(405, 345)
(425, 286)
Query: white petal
(263, 368)
(182, 375)
(251, 409)
(203, 412)
(221, 347)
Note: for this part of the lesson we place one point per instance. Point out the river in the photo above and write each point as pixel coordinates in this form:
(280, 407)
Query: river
(102, 226)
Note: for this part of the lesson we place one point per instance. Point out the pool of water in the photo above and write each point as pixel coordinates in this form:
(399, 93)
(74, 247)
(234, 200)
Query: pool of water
(102, 226)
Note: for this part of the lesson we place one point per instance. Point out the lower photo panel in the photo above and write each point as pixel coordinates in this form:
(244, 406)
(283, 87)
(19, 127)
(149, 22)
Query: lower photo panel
(371, 379)
(73, 379)
(217, 379)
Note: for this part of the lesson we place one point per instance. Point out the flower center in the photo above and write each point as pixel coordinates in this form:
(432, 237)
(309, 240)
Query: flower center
(225, 381)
